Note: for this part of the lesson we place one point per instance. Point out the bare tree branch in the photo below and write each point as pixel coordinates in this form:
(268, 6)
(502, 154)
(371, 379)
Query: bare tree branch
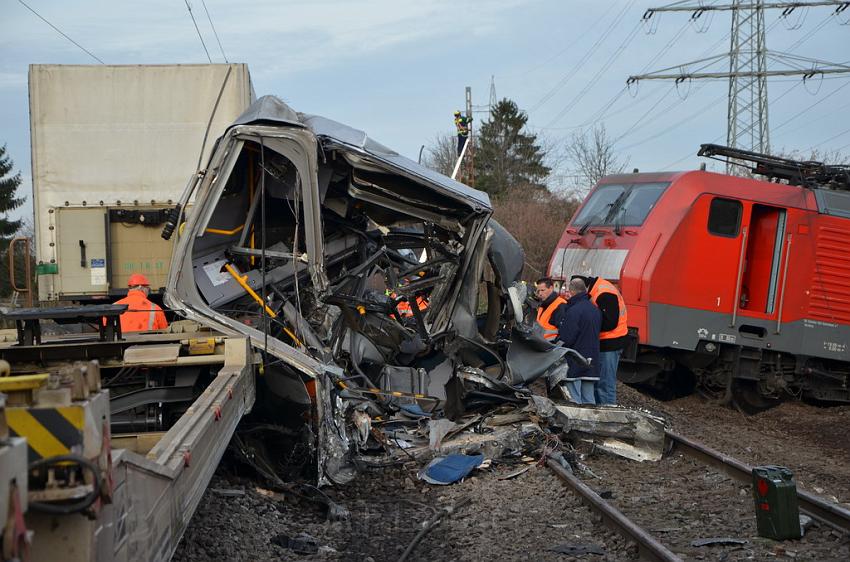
(592, 155)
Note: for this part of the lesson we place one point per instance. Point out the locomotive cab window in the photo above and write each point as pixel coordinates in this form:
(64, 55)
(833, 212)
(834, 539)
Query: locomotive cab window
(833, 202)
(620, 205)
(724, 217)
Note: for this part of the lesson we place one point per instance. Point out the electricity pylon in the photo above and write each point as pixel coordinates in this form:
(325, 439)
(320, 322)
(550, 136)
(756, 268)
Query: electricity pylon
(747, 121)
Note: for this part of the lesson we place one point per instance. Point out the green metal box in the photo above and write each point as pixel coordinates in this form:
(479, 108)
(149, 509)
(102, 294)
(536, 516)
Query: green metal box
(775, 495)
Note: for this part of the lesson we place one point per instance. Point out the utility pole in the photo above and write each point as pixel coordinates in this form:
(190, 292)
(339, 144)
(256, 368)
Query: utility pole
(747, 114)
(469, 160)
(493, 100)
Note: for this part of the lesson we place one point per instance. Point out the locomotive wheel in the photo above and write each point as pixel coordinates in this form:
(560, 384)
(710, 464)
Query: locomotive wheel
(747, 397)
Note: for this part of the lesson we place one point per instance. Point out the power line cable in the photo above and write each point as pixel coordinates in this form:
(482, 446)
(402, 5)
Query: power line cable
(646, 114)
(719, 137)
(60, 32)
(204, 45)
(822, 117)
(678, 124)
(573, 43)
(810, 33)
(567, 77)
(596, 77)
(693, 115)
(830, 139)
(820, 101)
(220, 48)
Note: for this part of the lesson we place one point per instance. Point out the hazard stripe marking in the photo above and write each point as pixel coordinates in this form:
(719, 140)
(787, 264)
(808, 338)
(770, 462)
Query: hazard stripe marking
(41, 442)
(74, 414)
(58, 426)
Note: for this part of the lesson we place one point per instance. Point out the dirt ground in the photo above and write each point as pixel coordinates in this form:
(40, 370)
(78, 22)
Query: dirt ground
(812, 441)
(523, 517)
(517, 519)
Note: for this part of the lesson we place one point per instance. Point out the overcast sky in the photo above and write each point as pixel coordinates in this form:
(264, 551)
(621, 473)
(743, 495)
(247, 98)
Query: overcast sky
(397, 69)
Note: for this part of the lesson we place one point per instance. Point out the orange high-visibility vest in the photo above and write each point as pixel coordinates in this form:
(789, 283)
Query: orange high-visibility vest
(550, 331)
(141, 314)
(405, 310)
(622, 328)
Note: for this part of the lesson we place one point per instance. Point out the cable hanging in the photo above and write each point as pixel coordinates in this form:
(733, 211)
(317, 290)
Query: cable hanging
(220, 48)
(60, 32)
(204, 45)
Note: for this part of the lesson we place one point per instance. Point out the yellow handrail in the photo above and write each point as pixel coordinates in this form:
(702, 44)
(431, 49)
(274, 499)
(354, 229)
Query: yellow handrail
(225, 232)
(241, 279)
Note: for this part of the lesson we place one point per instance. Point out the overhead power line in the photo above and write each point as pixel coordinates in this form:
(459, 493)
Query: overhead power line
(204, 45)
(60, 32)
(220, 48)
(569, 75)
(597, 76)
(747, 121)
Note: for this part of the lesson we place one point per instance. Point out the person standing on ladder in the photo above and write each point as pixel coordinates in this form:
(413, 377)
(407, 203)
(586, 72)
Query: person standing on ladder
(463, 123)
(142, 314)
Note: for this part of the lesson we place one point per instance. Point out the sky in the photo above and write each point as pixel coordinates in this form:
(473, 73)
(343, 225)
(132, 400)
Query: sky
(398, 69)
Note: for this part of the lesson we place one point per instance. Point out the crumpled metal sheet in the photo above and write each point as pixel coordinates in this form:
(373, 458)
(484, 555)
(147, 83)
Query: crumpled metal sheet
(506, 255)
(633, 434)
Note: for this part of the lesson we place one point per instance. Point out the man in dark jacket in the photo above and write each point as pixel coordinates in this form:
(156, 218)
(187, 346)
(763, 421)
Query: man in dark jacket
(613, 338)
(579, 330)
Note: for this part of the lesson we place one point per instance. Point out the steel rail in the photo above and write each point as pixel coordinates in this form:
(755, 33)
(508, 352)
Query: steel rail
(648, 547)
(827, 512)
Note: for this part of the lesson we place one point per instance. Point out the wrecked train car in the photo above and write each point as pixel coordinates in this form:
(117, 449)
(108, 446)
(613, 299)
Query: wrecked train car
(367, 282)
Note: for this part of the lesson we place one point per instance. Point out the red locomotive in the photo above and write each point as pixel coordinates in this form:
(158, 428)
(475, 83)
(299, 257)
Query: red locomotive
(738, 285)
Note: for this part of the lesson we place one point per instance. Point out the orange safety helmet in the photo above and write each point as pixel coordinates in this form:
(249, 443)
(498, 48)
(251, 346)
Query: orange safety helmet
(138, 279)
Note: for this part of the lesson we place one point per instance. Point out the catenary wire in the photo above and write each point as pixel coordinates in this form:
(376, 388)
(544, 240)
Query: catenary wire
(802, 111)
(60, 32)
(567, 77)
(602, 113)
(212, 25)
(597, 76)
(204, 45)
(573, 43)
(720, 136)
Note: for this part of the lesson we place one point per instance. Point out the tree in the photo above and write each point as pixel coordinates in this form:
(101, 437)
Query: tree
(537, 221)
(506, 156)
(592, 156)
(8, 201)
(442, 155)
(8, 228)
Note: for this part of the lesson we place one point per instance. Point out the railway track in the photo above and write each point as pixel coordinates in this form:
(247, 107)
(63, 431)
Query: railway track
(652, 548)
(826, 512)
(649, 548)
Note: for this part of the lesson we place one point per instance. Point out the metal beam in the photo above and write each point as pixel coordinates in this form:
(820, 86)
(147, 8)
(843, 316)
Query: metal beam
(709, 75)
(685, 7)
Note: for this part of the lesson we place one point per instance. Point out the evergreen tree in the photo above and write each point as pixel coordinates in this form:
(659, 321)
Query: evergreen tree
(8, 200)
(507, 157)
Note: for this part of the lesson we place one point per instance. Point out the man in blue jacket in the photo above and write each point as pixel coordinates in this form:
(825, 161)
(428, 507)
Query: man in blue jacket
(579, 329)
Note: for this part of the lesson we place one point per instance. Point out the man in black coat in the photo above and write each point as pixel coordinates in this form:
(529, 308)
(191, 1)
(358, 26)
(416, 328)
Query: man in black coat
(579, 330)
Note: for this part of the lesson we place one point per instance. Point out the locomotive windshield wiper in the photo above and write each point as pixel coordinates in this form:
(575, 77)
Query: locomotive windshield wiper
(584, 227)
(614, 212)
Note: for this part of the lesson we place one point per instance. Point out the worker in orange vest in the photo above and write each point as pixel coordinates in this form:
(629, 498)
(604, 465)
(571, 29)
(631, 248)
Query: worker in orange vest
(613, 338)
(407, 312)
(141, 314)
(551, 309)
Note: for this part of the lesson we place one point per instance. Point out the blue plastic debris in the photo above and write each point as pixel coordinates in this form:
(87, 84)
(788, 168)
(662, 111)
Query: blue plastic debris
(414, 410)
(450, 469)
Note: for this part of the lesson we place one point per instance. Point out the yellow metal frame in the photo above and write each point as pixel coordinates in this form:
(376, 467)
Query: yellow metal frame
(22, 382)
(242, 280)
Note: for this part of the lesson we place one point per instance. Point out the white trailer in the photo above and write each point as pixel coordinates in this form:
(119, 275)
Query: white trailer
(112, 150)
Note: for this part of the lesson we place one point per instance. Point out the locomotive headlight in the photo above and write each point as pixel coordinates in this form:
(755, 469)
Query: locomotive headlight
(710, 347)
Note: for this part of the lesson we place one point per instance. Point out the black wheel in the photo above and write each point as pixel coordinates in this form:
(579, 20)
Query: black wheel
(747, 397)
